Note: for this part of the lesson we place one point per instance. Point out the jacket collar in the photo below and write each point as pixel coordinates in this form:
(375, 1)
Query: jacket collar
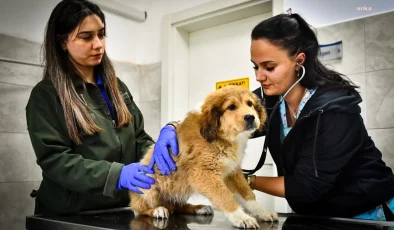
(340, 100)
(329, 99)
(77, 81)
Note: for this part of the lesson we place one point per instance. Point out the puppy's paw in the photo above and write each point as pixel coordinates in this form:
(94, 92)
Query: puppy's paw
(265, 215)
(205, 210)
(160, 212)
(257, 211)
(274, 216)
(242, 220)
(160, 223)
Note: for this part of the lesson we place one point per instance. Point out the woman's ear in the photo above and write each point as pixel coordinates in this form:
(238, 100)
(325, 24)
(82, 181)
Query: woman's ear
(300, 59)
(64, 47)
(62, 42)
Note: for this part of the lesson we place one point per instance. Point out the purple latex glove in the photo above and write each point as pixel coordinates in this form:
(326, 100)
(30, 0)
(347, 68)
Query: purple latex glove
(161, 155)
(132, 176)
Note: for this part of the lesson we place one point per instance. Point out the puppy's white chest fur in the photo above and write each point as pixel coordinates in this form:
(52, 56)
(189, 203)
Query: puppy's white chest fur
(231, 163)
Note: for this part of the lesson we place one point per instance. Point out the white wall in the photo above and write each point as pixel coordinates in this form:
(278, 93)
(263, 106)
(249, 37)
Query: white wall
(140, 42)
(319, 13)
(149, 38)
(127, 40)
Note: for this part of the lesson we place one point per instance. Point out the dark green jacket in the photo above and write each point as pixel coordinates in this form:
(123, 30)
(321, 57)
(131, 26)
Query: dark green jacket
(82, 177)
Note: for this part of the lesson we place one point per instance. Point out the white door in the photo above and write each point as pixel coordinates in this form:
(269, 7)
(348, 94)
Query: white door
(222, 53)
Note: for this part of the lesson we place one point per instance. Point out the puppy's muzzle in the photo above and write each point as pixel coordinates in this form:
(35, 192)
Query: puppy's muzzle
(249, 122)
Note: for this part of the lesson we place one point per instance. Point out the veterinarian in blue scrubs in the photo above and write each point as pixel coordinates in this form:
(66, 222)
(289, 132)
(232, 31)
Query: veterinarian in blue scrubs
(327, 164)
(86, 130)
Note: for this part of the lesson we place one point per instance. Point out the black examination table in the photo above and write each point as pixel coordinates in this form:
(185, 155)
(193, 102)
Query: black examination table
(124, 218)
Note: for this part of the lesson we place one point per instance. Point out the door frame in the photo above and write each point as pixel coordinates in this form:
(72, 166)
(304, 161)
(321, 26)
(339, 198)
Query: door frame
(175, 51)
(175, 45)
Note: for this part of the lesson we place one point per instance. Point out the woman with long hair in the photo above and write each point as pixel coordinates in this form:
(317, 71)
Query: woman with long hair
(86, 131)
(327, 163)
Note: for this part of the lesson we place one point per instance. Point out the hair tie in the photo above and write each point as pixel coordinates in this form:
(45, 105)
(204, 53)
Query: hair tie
(289, 12)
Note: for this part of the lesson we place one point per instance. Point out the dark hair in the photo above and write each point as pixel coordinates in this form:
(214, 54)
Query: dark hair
(293, 34)
(64, 19)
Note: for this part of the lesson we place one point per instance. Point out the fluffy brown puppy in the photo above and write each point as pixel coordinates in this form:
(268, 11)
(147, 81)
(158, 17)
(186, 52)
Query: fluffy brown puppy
(211, 147)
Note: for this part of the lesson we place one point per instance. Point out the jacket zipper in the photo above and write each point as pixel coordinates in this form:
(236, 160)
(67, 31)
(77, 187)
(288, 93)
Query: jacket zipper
(297, 121)
(118, 138)
(114, 127)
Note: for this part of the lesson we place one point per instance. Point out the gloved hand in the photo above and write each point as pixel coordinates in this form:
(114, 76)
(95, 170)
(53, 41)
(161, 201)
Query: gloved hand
(161, 155)
(132, 176)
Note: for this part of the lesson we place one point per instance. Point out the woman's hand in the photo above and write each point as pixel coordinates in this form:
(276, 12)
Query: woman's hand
(161, 155)
(133, 176)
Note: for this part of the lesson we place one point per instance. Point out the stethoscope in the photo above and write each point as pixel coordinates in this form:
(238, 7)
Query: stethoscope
(264, 153)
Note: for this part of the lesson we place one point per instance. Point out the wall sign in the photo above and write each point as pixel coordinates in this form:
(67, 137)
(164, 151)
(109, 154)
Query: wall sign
(243, 82)
(331, 51)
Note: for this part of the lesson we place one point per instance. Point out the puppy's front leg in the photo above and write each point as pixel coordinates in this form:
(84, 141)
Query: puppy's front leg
(244, 194)
(213, 187)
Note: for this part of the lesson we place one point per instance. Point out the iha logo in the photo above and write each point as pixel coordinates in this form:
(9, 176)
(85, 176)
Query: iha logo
(364, 8)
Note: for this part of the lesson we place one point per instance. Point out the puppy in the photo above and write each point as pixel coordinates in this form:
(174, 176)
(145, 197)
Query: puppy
(211, 147)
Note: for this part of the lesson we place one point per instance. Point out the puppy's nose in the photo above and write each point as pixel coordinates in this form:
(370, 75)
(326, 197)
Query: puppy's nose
(249, 118)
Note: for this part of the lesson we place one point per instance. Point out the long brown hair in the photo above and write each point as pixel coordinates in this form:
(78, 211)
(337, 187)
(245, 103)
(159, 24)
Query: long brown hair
(64, 19)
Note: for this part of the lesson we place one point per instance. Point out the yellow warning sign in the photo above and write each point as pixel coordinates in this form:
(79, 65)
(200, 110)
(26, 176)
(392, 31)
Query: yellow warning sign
(243, 82)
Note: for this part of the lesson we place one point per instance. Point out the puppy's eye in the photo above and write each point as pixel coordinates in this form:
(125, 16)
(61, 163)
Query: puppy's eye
(232, 107)
(250, 104)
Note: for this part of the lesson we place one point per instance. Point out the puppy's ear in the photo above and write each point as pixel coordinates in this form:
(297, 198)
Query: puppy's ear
(210, 123)
(260, 111)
